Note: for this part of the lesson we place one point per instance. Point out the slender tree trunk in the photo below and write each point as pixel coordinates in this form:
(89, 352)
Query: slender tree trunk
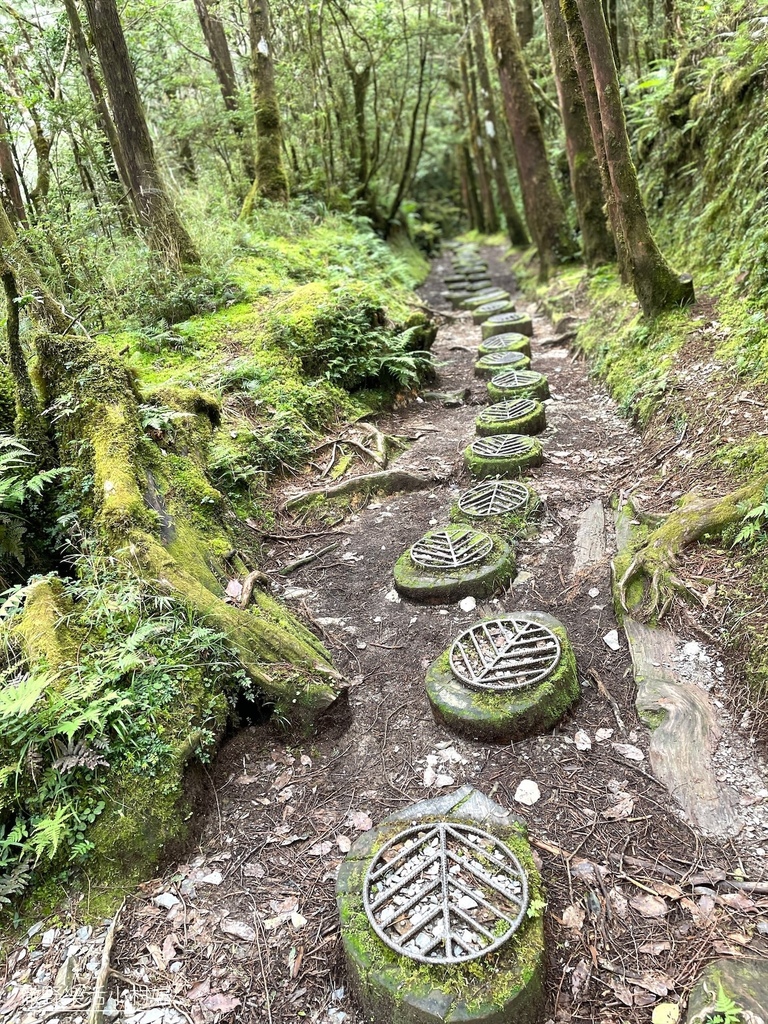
(656, 285)
(524, 20)
(515, 226)
(611, 13)
(15, 259)
(221, 61)
(11, 190)
(474, 208)
(157, 215)
(270, 181)
(544, 210)
(596, 239)
(476, 134)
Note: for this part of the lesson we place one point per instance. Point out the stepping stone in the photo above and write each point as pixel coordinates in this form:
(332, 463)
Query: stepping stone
(495, 362)
(489, 309)
(507, 342)
(496, 504)
(503, 455)
(451, 279)
(437, 915)
(480, 299)
(480, 285)
(742, 981)
(455, 297)
(454, 562)
(478, 274)
(512, 416)
(501, 323)
(505, 678)
(518, 384)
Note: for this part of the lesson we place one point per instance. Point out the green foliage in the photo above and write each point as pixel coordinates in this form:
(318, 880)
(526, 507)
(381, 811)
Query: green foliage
(726, 1010)
(753, 533)
(20, 485)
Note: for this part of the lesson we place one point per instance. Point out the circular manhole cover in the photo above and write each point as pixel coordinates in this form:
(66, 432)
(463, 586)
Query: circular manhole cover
(489, 307)
(500, 341)
(451, 548)
(444, 893)
(510, 409)
(494, 498)
(511, 653)
(505, 318)
(517, 379)
(502, 446)
(502, 359)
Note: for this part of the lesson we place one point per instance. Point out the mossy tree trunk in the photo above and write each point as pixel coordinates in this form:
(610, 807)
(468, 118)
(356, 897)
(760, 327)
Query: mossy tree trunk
(476, 135)
(161, 224)
(10, 194)
(544, 210)
(487, 113)
(270, 181)
(524, 20)
(596, 239)
(656, 285)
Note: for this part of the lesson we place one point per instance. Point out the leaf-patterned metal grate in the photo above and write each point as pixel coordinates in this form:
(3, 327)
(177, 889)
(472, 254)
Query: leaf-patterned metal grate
(500, 341)
(489, 307)
(502, 446)
(445, 893)
(509, 409)
(451, 548)
(510, 379)
(494, 359)
(507, 318)
(494, 498)
(510, 653)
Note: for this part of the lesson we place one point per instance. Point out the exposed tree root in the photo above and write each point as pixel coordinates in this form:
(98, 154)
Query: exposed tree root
(648, 584)
(388, 481)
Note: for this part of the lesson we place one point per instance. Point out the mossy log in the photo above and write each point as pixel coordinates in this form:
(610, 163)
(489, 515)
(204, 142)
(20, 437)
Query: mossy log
(645, 581)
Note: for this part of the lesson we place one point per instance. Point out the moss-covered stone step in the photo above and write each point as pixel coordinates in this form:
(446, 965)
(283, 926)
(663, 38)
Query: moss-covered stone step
(480, 298)
(512, 416)
(510, 341)
(741, 982)
(489, 309)
(455, 297)
(453, 279)
(452, 563)
(518, 384)
(489, 365)
(502, 323)
(505, 455)
(497, 505)
(479, 285)
(495, 988)
(505, 678)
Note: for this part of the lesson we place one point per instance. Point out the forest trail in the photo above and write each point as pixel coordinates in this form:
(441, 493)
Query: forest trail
(248, 923)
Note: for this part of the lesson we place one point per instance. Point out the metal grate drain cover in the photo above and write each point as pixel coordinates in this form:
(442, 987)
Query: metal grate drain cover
(445, 893)
(502, 358)
(502, 446)
(517, 379)
(503, 318)
(494, 498)
(511, 653)
(500, 341)
(509, 409)
(488, 307)
(451, 548)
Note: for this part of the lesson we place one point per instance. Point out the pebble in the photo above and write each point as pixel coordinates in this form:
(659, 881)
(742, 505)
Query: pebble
(527, 793)
(468, 604)
(166, 900)
(611, 640)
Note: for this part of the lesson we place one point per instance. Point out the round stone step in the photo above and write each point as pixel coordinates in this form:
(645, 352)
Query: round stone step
(454, 562)
(505, 678)
(502, 323)
(489, 309)
(507, 342)
(489, 295)
(454, 279)
(504, 455)
(518, 384)
(502, 505)
(512, 416)
(439, 916)
(493, 363)
(455, 297)
(482, 284)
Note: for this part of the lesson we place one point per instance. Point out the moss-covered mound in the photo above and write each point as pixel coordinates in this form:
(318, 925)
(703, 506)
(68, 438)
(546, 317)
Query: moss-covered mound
(477, 578)
(512, 416)
(489, 309)
(489, 365)
(505, 716)
(504, 455)
(509, 341)
(506, 985)
(481, 298)
(501, 323)
(518, 384)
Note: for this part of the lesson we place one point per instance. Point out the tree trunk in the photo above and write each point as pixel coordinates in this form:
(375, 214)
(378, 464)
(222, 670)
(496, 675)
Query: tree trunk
(14, 259)
(11, 191)
(656, 285)
(611, 14)
(524, 20)
(515, 226)
(596, 239)
(544, 210)
(270, 181)
(469, 186)
(157, 215)
(221, 61)
(476, 135)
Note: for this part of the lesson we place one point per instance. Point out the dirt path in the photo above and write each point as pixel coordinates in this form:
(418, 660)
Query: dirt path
(248, 922)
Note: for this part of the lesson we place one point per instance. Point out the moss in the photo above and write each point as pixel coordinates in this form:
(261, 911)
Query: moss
(485, 368)
(7, 400)
(477, 580)
(509, 466)
(41, 626)
(481, 299)
(507, 323)
(538, 388)
(489, 309)
(509, 341)
(531, 423)
(511, 526)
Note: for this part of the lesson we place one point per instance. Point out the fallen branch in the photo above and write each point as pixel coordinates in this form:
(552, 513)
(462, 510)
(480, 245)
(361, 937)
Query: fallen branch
(306, 559)
(611, 700)
(96, 1012)
(388, 481)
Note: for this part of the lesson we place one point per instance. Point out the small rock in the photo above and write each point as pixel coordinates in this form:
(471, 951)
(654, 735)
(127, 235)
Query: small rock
(593, 592)
(468, 604)
(629, 751)
(443, 780)
(611, 639)
(603, 734)
(582, 740)
(49, 938)
(63, 980)
(110, 1010)
(467, 903)
(166, 900)
(215, 878)
(295, 593)
(521, 578)
(392, 596)
(84, 933)
(237, 929)
(527, 793)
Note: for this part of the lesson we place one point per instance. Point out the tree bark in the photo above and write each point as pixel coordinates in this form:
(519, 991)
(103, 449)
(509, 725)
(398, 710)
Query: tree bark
(516, 230)
(13, 200)
(157, 215)
(596, 240)
(544, 210)
(524, 20)
(656, 285)
(476, 135)
(221, 60)
(270, 181)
